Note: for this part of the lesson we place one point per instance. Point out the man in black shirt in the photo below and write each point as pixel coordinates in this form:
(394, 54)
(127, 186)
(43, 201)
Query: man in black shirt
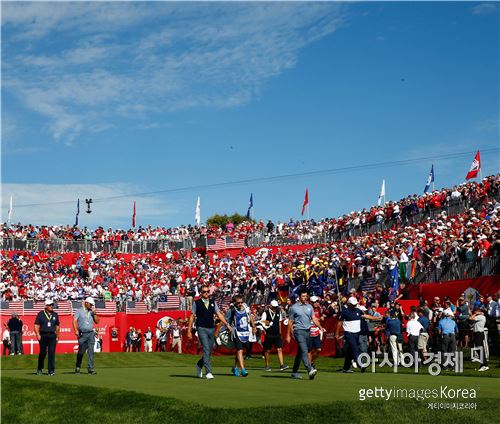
(16, 331)
(47, 333)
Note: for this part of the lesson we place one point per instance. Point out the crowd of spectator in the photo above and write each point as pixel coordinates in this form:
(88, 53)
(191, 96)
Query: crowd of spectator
(435, 243)
(397, 212)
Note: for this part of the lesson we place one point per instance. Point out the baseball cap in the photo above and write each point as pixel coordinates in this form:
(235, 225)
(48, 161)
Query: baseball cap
(90, 300)
(274, 303)
(314, 299)
(352, 301)
(49, 302)
(362, 308)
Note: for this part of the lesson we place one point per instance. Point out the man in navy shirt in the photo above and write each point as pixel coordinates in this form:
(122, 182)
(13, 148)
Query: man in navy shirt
(47, 333)
(350, 321)
(423, 338)
(204, 311)
(393, 332)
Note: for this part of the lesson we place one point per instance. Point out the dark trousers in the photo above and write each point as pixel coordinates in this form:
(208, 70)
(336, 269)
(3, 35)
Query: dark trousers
(6, 347)
(15, 342)
(481, 342)
(449, 344)
(351, 341)
(47, 343)
(413, 343)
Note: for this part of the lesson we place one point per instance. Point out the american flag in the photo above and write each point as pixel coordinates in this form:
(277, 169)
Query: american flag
(223, 302)
(369, 284)
(136, 307)
(63, 307)
(32, 308)
(235, 243)
(169, 302)
(7, 308)
(216, 244)
(102, 307)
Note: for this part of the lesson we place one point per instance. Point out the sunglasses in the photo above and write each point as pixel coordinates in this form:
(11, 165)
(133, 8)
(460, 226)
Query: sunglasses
(239, 303)
(204, 291)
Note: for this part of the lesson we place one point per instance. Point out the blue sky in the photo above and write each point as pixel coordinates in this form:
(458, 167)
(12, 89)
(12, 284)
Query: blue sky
(109, 99)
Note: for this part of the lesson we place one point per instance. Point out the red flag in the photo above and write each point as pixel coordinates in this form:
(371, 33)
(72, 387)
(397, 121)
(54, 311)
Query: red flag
(133, 217)
(306, 201)
(475, 167)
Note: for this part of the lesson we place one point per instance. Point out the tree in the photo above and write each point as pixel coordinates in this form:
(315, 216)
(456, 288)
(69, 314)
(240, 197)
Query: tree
(222, 220)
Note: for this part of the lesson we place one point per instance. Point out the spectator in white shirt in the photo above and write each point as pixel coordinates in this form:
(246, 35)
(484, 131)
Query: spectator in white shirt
(413, 328)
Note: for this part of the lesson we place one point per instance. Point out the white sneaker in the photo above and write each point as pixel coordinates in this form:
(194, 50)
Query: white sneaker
(484, 368)
(312, 373)
(354, 364)
(209, 376)
(199, 372)
(296, 375)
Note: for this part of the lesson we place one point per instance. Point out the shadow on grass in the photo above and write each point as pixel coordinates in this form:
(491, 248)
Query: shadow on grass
(277, 376)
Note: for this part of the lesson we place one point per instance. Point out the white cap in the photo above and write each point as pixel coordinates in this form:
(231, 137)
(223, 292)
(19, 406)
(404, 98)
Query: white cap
(352, 301)
(362, 308)
(49, 302)
(449, 312)
(90, 300)
(314, 299)
(274, 303)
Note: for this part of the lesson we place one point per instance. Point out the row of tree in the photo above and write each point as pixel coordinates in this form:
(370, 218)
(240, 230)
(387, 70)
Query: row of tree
(222, 220)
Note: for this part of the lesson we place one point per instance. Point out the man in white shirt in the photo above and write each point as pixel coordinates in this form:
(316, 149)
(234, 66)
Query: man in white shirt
(148, 340)
(413, 328)
(6, 340)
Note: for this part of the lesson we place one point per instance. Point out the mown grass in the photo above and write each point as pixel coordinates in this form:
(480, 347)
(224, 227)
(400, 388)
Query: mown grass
(36, 402)
(160, 388)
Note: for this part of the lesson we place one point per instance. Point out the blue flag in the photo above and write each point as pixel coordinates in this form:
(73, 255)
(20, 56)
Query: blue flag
(394, 283)
(77, 212)
(430, 180)
(250, 206)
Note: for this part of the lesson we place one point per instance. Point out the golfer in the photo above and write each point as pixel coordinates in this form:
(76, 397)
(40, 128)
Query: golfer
(204, 310)
(83, 326)
(299, 319)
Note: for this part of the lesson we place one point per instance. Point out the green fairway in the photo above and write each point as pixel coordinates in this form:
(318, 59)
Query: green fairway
(169, 379)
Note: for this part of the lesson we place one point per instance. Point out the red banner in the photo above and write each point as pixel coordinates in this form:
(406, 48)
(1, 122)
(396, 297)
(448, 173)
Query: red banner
(454, 289)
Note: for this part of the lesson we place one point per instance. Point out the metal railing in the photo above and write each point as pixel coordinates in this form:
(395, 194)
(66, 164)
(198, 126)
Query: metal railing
(452, 271)
(256, 239)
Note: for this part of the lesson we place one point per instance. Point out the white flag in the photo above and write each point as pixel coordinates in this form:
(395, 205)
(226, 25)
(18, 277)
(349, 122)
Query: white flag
(382, 193)
(197, 215)
(9, 215)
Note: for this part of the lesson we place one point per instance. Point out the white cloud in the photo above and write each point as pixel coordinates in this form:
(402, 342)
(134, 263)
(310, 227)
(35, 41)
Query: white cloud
(55, 204)
(485, 8)
(144, 60)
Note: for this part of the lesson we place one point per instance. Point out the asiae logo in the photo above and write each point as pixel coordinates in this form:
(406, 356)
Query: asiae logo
(164, 322)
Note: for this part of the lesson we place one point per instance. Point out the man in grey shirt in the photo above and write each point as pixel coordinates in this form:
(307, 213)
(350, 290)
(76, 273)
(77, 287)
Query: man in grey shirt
(83, 326)
(480, 339)
(300, 316)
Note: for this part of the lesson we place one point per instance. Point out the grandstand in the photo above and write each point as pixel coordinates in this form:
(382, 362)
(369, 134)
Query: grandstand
(451, 234)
